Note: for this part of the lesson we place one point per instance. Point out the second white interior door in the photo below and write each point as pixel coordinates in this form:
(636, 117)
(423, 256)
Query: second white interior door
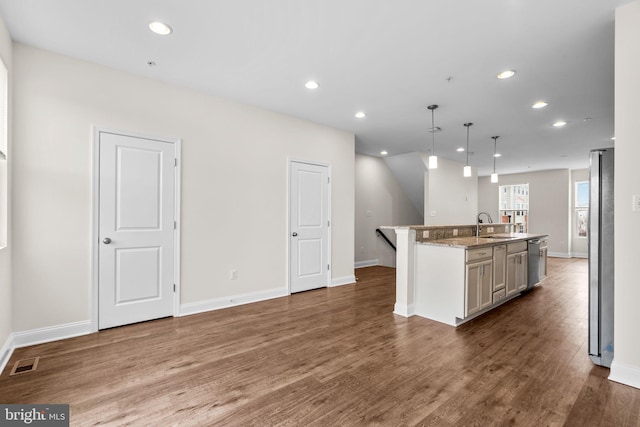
(309, 226)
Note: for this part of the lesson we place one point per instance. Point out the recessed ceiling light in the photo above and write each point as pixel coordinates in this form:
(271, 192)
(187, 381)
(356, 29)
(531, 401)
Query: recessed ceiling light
(460, 149)
(539, 104)
(360, 115)
(383, 153)
(497, 155)
(506, 74)
(160, 28)
(311, 84)
(559, 124)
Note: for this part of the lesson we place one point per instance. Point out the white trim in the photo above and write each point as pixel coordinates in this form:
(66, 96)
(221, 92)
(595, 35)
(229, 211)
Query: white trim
(625, 374)
(177, 231)
(51, 333)
(231, 301)
(6, 351)
(367, 263)
(559, 255)
(95, 211)
(340, 281)
(579, 255)
(404, 310)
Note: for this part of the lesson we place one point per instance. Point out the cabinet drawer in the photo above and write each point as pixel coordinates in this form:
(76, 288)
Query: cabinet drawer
(512, 248)
(479, 254)
(499, 295)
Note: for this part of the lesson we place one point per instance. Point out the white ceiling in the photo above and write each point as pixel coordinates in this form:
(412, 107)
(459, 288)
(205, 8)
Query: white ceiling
(389, 58)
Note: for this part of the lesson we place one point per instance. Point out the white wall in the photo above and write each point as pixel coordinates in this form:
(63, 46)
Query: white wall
(234, 183)
(579, 245)
(626, 363)
(549, 204)
(380, 200)
(450, 198)
(5, 253)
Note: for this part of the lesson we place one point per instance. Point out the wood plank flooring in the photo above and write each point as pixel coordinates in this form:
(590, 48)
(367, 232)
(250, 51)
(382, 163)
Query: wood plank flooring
(339, 357)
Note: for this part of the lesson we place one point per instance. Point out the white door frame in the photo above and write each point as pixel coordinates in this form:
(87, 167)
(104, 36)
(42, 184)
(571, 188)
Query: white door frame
(288, 219)
(95, 217)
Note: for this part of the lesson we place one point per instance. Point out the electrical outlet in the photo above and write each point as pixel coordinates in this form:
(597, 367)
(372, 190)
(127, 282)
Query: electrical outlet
(433, 213)
(362, 250)
(489, 229)
(233, 274)
(455, 232)
(425, 234)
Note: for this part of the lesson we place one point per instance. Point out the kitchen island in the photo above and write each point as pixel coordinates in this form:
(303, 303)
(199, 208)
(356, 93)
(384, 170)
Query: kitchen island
(451, 275)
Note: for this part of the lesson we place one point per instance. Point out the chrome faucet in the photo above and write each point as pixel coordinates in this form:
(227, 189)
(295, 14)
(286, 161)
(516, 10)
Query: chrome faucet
(479, 221)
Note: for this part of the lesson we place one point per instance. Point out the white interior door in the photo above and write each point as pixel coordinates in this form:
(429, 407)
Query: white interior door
(309, 226)
(136, 229)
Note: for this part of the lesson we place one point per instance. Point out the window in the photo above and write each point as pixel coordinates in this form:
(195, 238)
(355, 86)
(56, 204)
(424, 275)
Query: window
(582, 205)
(513, 205)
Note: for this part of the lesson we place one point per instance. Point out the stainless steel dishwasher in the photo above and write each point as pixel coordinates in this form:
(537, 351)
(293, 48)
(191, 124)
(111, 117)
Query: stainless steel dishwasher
(537, 252)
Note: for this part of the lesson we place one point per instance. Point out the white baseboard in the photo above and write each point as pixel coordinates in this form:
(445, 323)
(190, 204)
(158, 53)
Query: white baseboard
(579, 255)
(366, 263)
(230, 301)
(5, 352)
(559, 254)
(51, 333)
(339, 281)
(404, 310)
(625, 374)
(40, 336)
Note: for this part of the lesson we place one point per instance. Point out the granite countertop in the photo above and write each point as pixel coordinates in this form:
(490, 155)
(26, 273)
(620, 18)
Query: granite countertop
(482, 241)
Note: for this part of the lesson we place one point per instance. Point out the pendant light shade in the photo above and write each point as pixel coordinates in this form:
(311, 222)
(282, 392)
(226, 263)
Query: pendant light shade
(433, 159)
(433, 162)
(494, 175)
(467, 169)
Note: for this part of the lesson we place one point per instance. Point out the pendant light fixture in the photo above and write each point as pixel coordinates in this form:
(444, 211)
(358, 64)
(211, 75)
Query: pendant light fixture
(467, 168)
(433, 159)
(494, 175)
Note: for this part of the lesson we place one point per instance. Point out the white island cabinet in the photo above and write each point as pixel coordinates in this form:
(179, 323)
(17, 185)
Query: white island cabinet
(450, 275)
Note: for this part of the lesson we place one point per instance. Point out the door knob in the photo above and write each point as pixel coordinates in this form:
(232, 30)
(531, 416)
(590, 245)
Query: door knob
(294, 234)
(106, 240)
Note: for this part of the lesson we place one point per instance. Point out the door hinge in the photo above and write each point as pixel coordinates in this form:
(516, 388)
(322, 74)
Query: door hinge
(328, 180)
(328, 223)
(175, 162)
(174, 287)
(175, 225)
(328, 267)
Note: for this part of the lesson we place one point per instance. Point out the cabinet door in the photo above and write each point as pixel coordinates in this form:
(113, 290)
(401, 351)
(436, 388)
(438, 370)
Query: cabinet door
(499, 266)
(522, 271)
(512, 271)
(472, 288)
(478, 287)
(486, 282)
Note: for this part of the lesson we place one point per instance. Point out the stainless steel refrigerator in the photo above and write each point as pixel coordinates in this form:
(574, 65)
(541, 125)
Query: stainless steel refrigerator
(600, 232)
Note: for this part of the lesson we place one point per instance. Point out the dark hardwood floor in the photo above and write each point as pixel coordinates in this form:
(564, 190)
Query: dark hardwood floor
(339, 357)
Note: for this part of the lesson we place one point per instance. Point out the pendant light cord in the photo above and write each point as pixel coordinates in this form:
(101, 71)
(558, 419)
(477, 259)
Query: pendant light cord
(468, 125)
(495, 140)
(433, 135)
